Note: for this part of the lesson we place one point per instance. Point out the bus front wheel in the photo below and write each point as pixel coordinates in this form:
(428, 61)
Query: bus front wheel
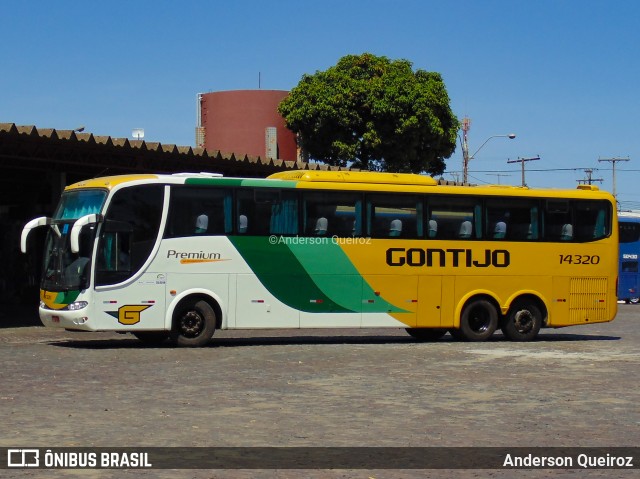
(478, 321)
(523, 321)
(194, 324)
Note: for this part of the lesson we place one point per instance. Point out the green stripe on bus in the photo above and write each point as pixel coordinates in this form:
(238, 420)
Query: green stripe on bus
(269, 183)
(281, 273)
(334, 273)
(213, 181)
(298, 274)
(250, 182)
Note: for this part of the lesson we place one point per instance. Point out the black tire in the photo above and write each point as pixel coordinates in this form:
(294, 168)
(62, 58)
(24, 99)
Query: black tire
(193, 324)
(523, 322)
(478, 321)
(152, 338)
(426, 334)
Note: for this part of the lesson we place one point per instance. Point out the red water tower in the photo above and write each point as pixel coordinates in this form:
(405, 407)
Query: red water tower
(245, 122)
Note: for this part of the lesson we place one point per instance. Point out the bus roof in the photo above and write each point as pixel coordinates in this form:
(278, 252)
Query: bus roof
(343, 180)
(356, 177)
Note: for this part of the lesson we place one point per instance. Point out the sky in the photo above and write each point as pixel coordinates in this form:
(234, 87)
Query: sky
(563, 76)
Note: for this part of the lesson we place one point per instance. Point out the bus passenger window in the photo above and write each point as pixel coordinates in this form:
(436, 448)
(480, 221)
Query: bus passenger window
(394, 216)
(456, 217)
(629, 232)
(556, 214)
(590, 220)
(511, 219)
(129, 233)
(198, 211)
(332, 213)
(266, 211)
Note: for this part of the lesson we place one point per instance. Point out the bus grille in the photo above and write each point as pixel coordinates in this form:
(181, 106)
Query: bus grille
(588, 300)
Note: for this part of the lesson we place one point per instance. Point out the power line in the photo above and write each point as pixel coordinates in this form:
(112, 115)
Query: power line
(613, 162)
(498, 175)
(530, 169)
(522, 161)
(588, 180)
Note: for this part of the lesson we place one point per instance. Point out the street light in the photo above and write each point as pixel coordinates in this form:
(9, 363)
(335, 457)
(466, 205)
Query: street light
(465, 149)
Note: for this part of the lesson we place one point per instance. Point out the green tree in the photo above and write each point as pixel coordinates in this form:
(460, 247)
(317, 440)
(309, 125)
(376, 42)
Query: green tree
(375, 114)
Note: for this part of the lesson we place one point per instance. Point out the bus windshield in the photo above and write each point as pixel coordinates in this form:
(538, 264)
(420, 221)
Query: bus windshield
(62, 269)
(77, 203)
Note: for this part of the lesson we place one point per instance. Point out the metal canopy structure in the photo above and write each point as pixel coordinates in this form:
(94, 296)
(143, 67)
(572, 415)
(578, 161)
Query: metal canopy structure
(37, 163)
(30, 148)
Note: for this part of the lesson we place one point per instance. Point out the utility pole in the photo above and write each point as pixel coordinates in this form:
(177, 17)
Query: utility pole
(588, 180)
(613, 162)
(522, 161)
(466, 126)
(498, 175)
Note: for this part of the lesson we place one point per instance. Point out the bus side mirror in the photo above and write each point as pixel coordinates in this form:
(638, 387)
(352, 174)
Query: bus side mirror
(35, 223)
(77, 228)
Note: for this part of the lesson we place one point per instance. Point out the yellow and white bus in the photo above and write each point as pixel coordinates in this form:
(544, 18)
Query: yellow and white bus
(179, 256)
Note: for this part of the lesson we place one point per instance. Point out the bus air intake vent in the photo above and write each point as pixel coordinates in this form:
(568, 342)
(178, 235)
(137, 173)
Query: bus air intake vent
(587, 300)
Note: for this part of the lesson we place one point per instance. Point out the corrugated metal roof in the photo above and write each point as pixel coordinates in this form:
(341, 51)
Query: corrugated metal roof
(184, 156)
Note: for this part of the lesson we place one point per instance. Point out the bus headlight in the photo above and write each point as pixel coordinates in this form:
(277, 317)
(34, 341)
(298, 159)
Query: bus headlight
(76, 306)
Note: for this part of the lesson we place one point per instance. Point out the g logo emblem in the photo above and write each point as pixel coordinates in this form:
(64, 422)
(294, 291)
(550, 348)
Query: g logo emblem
(130, 314)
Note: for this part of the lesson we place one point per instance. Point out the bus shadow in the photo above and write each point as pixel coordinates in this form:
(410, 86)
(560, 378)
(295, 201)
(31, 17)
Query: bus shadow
(574, 337)
(130, 342)
(256, 341)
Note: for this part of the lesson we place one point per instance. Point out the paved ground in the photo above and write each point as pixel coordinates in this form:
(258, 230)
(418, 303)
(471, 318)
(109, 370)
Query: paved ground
(573, 387)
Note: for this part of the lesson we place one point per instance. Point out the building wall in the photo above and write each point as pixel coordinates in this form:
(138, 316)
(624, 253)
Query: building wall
(236, 121)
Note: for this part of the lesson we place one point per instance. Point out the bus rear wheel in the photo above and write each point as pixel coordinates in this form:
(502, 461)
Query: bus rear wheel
(426, 334)
(478, 321)
(523, 322)
(194, 324)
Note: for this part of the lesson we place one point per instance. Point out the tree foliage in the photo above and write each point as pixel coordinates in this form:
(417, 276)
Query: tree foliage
(373, 113)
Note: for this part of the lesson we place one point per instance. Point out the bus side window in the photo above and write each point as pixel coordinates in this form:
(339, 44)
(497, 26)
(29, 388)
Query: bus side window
(511, 219)
(266, 211)
(629, 232)
(135, 215)
(455, 217)
(556, 215)
(590, 219)
(397, 216)
(256, 209)
(332, 213)
(284, 214)
(199, 211)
